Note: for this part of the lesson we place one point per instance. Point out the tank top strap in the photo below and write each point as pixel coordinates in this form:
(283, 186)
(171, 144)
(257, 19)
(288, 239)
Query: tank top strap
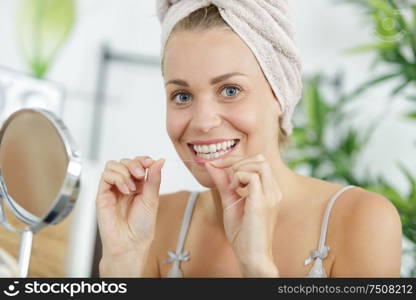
(186, 221)
(323, 250)
(180, 255)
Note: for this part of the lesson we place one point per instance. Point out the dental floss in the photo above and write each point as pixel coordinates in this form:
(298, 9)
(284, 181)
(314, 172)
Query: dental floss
(145, 173)
(231, 205)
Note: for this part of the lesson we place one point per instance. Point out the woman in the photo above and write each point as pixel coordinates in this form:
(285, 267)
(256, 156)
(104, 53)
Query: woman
(258, 218)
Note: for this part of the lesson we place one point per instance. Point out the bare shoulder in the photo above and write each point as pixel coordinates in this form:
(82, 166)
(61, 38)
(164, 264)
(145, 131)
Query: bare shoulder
(364, 210)
(369, 214)
(371, 236)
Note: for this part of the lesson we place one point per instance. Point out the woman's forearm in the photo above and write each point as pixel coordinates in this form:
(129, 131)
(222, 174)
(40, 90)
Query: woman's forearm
(259, 268)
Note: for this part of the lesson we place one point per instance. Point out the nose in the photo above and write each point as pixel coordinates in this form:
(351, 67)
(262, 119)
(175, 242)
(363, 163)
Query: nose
(206, 115)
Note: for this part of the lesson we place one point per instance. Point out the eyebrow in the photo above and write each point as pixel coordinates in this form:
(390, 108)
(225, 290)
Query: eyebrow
(213, 80)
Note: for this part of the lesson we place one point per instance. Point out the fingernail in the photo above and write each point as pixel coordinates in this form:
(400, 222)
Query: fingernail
(215, 162)
(147, 161)
(125, 189)
(138, 172)
(163, 161)
(131, 184)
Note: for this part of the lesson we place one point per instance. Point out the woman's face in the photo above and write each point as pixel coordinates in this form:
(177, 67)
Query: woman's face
(207, 110)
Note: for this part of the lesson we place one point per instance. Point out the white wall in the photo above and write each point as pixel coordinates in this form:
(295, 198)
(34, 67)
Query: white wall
(134, 114)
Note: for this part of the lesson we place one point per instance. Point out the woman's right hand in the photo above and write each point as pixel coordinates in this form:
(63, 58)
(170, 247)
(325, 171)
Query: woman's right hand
(127, 206)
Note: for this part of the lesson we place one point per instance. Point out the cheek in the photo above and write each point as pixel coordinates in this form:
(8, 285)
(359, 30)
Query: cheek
(258, 122)
(174, 125)
(247, 118)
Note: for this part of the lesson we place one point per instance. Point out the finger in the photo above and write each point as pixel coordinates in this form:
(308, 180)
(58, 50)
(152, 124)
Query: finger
(138, 168)
(252, 181)
(124, 171)
(259, 158)
(152, 185)
(219, 177)
(117, 167)
(231, 161)
(104, 186)
(225, 162)
(117, 179)
(146, 161)
(262, 169)
(221, 180)
(135, 167)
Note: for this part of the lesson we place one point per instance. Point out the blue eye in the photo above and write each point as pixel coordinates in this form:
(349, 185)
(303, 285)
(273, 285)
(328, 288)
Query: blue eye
(232, 89)
(182, 98)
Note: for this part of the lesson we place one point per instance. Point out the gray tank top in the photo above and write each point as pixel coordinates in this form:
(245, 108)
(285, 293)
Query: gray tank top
(317, 255)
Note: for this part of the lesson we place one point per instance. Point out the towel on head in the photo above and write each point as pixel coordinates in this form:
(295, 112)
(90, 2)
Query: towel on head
(266, 27)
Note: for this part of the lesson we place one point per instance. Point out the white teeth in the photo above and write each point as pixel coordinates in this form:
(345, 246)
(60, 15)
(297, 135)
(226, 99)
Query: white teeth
(213, 155)
(213, 150)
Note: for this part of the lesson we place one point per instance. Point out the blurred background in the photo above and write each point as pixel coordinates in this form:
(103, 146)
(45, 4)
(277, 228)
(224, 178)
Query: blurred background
(356, 123)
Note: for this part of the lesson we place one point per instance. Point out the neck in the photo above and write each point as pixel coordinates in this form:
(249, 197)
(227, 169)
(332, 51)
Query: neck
(289, 182)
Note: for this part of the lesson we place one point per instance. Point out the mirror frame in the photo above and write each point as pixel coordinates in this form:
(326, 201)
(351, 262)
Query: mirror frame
(69, 191)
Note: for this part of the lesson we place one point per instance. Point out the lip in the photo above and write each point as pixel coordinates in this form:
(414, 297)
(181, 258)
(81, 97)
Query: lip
(200, 160)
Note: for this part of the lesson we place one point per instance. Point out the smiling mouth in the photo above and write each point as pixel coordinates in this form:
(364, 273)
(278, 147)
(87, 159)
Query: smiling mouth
(203, 153)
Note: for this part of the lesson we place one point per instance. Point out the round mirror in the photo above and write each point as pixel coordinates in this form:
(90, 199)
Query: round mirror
(40, 170)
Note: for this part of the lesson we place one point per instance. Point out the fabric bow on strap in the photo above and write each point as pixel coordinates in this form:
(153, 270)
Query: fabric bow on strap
(317, 254)
(182, 256)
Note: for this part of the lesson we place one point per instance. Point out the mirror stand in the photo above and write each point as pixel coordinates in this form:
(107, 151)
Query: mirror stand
(25, 249)
(26, 235)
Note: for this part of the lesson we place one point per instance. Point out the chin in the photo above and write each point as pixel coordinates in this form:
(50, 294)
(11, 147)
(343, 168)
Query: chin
(200, 174)
(204, 179)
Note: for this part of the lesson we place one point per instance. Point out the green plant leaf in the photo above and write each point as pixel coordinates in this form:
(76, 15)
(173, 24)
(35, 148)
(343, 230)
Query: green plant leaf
(43, 27)
(363, 87)
(368, 47)
(381, 6)
(412, 182)
(400, 87)
(316, 108)
(411, 115)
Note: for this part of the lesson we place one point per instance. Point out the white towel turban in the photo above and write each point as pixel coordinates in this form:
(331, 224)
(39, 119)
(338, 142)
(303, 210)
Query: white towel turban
(266, 27)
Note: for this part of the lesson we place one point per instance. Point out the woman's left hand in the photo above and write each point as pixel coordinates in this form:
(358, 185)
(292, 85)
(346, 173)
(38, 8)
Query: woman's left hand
(249, 221)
